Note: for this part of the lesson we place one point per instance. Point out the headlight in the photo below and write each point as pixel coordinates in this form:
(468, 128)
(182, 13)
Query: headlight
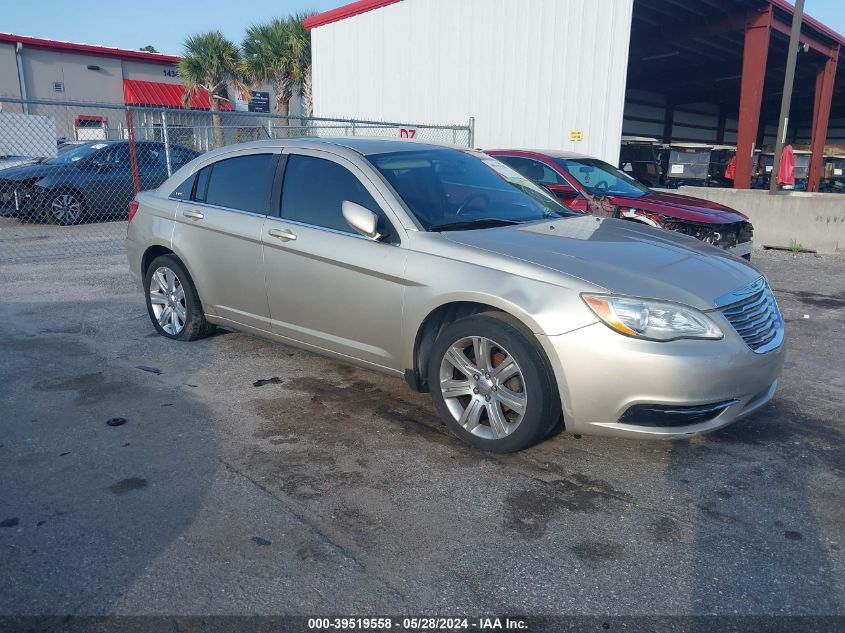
(652, 320)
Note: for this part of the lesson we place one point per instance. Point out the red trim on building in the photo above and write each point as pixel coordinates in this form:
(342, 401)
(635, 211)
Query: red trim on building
(809, 21)
(90, 49)
(153, 93)
(346, 11)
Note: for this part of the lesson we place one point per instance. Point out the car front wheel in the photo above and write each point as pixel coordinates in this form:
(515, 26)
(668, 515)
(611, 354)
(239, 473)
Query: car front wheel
(66, 207)
(491, 383)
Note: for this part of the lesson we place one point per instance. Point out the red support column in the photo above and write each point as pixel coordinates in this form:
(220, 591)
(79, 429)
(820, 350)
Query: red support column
(133, 155)
(821, 116)
(754, 56)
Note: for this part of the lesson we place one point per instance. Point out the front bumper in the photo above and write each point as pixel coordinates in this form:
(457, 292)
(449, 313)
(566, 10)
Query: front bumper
(602, 374)
(23, 203)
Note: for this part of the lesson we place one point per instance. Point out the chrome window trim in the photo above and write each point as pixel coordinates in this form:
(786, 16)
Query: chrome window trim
(214, 206)
(322, 228)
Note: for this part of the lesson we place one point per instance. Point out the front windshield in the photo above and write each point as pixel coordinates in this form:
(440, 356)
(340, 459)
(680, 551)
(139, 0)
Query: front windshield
(601, 179)
(448, 186)
(76, 154)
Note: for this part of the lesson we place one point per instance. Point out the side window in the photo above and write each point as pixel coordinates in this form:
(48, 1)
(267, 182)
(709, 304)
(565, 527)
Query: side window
(314, 190)
(117, 155)
(183, 191)
(242, 183)
(534, 170)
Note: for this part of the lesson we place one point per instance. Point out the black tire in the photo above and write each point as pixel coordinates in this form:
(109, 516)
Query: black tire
(196, 326)
(542, 411)
(71, 209)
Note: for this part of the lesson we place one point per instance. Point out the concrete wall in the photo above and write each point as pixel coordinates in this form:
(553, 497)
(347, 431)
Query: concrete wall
(814, 220)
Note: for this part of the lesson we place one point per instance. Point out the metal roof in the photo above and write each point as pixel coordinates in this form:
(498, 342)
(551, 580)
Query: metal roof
(691, 51)
(154, 93)
(345, 11)
(89, 49)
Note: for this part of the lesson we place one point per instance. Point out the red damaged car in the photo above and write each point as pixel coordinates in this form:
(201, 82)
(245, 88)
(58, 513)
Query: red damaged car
(590, 185)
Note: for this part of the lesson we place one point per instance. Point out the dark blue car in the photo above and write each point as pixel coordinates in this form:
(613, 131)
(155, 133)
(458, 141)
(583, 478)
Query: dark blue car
(92, 181)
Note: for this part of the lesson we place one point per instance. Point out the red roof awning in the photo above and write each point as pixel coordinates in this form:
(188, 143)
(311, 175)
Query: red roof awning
(153, 93)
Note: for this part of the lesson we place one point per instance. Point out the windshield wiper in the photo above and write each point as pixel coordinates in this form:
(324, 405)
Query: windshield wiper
(479, 223)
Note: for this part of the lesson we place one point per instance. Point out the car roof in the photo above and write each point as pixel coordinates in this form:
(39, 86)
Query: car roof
(550, 153)
(358, 145)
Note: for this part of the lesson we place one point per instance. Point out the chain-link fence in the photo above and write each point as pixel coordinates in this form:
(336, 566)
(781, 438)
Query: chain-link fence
(68, 170)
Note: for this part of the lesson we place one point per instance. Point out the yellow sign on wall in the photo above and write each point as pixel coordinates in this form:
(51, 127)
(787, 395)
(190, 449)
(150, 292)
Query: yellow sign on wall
(576, 135)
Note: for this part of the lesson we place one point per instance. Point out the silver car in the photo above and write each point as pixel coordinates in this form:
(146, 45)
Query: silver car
(446, 267)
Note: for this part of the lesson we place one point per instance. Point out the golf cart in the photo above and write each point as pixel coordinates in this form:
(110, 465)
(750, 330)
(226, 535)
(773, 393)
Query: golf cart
(833, 177)
(720, 158)
(638, 158)
(687, 164)
(802, 168)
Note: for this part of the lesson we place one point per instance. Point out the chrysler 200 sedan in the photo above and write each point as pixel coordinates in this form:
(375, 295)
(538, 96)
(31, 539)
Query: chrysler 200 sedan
(450, 269)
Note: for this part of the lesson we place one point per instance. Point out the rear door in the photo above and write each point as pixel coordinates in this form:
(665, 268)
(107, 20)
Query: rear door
(107, 187)
(218, 235)
(327, 285)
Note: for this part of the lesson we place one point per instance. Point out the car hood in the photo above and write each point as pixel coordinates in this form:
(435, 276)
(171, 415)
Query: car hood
(682, 207)
(32, 172)
(620, 257)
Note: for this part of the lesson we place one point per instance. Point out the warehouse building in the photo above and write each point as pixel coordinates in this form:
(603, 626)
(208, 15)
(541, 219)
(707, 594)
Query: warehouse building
(578, 74)
(36, 69)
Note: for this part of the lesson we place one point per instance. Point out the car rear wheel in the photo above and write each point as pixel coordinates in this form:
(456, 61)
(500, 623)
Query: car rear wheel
(491, 383)
(172, 301)
(66, 207)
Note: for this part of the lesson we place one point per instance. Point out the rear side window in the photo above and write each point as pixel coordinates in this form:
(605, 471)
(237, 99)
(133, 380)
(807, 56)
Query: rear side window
(314, 190)
(242, 183)
(532, 169)
(183, 191)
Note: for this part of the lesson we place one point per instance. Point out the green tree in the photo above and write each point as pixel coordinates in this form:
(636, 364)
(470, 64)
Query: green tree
(279, 52)
(301, 46)
(148, 48)
(211, 62)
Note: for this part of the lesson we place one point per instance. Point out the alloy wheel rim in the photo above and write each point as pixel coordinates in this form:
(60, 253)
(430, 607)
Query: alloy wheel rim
(483, 387)
(66, 208)
(167, 299)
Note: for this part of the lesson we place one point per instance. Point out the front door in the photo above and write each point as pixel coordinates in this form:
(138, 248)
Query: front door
(328, 286)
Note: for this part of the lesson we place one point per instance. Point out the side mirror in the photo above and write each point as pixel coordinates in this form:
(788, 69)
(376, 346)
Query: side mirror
(361, 219)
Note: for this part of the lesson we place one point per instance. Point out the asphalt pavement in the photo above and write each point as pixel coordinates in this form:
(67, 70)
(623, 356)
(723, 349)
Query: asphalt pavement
(334, 490)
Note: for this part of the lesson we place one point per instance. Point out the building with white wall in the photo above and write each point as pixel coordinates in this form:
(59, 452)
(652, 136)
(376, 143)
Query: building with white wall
(537, 73)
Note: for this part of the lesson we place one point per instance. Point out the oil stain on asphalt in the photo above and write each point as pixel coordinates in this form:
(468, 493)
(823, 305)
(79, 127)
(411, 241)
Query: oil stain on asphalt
(528, 512)
(89, 388)
(130, 484)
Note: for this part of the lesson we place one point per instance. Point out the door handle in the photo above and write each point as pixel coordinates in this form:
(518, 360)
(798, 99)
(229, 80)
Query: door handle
(282, 234)
(194, 215)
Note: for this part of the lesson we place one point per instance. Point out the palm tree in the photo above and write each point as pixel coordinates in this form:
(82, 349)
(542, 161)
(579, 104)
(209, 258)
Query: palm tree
(211, 62)
(279, 52)
(301, 46)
